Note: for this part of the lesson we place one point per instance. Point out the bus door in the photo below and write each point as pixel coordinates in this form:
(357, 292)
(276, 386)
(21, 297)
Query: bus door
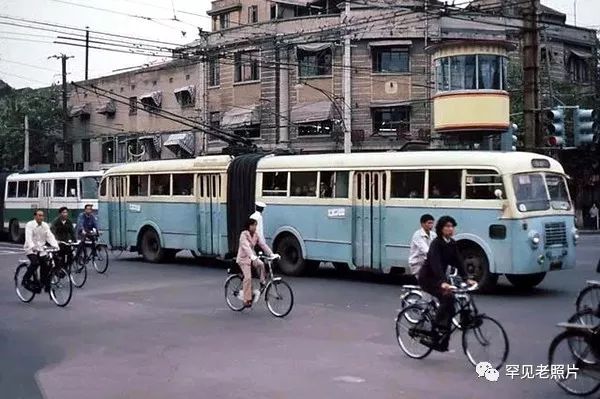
(117, 212)
(45, 196)
(209, 213)
(369, 204)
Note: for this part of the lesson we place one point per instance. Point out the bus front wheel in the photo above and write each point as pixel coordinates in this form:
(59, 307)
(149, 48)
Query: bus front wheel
(478, 268)
(150, 245)
(526, 281)
(292, 262)
(14, 230)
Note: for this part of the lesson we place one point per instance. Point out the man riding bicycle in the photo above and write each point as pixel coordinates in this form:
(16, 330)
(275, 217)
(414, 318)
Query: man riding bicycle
(37, 235)
(87, 227)
(443, 252)
(63, 230)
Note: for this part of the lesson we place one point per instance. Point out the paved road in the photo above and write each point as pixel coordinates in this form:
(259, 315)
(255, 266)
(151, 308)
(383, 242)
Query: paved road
(163, 331)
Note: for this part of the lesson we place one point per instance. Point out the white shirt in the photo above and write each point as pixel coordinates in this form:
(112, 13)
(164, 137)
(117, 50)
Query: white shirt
(259, 225)
(419, 246)
(36, 237)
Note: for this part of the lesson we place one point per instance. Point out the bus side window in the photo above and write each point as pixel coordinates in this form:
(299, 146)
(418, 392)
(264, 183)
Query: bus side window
(482, 184)
(303, 184)
(274, 184)
(71, 188)
(22, 191)
(183, 184)
(160, 184)
(358, 185)
(333, 185)
(201, 184)
(409, 184)
(12, 189)
(59, 188)
(445, 183)
(33, 189)
(138, 185)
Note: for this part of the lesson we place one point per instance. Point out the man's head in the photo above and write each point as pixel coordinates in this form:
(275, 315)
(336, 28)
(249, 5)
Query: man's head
(427, 222)
(89, 209)
(38, 215)
(260, 206)
(64, 213)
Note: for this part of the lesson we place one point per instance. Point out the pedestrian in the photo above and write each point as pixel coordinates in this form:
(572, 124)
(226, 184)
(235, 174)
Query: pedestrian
(257, 215)
(419, 245)
(594, 216)
(62, 228)
(443, 252)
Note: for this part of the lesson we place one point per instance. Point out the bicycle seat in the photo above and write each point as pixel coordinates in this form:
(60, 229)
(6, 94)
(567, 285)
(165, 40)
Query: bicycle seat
(575, 326)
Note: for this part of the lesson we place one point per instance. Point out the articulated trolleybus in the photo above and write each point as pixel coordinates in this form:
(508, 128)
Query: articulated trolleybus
(358, 211)
(24, 192)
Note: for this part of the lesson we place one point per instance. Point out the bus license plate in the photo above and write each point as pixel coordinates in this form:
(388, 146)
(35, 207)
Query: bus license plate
(555, 265)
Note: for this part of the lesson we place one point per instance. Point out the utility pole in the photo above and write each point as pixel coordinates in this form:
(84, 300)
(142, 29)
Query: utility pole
(87, 50)
(347, 72)
(26, 152)
(531, 49)
(67, 148)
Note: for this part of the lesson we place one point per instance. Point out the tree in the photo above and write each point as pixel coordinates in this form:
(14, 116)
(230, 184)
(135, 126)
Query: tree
(43, 108)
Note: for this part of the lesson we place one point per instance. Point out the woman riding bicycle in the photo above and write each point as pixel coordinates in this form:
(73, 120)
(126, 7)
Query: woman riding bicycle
(443, 252)
(247, 258)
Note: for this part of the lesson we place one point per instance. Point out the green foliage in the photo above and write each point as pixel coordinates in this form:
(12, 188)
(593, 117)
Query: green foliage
(43, 108)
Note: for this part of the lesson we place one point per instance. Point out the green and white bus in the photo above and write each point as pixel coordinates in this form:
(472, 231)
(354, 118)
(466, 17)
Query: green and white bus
(24, 192)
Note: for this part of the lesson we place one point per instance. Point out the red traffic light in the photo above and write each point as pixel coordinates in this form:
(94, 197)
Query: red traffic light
(554, 141)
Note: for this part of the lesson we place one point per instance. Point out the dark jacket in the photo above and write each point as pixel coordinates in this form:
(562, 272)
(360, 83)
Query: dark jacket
(63, 231)
(441, 255)
(87, 223)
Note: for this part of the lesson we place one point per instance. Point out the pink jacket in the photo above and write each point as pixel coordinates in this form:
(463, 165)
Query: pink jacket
(246, 248)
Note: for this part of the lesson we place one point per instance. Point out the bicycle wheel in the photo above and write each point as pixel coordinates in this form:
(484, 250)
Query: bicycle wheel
(587, 379)
(100, 262)
(588, 297)
(61, 288)
(23, 293)
(411, 298)
(484, 340)
(279, 298)
(78, 274)
(409, 334)
(587, 316)
(233, 293)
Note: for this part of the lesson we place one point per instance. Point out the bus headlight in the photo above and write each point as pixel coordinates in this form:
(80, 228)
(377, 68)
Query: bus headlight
(534, 238)
(575, 233)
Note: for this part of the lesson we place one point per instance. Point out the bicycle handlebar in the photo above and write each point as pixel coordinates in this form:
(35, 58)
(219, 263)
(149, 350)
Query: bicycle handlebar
(464, 287)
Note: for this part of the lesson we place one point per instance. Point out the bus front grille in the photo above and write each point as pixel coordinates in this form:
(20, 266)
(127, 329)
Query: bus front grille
(555, 234)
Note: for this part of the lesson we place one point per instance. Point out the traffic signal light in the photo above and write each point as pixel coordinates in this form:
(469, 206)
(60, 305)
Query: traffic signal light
(510, 139)
(584, 126)
(555, 127)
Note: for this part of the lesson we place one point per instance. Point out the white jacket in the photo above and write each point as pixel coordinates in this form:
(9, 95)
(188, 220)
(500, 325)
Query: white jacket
(36, 237)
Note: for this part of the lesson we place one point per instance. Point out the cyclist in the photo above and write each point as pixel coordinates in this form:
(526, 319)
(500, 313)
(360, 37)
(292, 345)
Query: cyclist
(257, 215)
(63, 230)
(87, 227)
(443, 252)
(37, 235)
(419, 246)
(246, 258)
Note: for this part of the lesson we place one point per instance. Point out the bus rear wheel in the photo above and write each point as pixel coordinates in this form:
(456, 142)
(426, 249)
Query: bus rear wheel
(526, 281)
(14, 230)
(150, 245)
(292, 262)
(478, 268)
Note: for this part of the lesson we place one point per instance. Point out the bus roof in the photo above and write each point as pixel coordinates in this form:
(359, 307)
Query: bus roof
(218, 162)
(52, 175)
(505, 162)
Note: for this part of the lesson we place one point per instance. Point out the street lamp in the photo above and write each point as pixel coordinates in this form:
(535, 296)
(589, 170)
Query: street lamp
(332, 97)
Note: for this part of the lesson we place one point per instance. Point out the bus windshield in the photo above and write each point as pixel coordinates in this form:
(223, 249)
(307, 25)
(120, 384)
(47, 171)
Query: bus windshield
(540, 191)
(89, 187)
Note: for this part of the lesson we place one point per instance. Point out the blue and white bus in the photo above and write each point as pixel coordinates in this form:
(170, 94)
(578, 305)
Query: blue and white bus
(514, 212)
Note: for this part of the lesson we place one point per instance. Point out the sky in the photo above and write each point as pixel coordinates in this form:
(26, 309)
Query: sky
(24, 52)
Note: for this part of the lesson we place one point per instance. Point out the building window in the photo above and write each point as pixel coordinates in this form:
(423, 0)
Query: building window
(246, 66)
(214, 78)
(489, 72)
(251, 132)
(391, 120)
(214, 23)
(215, 120)
(445, 184)
(224, 21)
(85, 150)
(314, 63)
(390, 60)
(274, 184)
(315, 128)
(132, 105)
(463, 74)
(252, 14)
(108, 152)
(578, 69)
(409, 184)
(132, 87)
(471, 72)
(185, 98)
(303, 184)
(274, 11)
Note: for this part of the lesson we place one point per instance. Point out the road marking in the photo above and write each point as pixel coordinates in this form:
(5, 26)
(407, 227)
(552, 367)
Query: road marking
(349, 379)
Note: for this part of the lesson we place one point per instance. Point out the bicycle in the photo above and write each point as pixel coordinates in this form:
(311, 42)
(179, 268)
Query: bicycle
(416, 321)
(61, 289)
(77, 273)
(278, 294)
(588, 297)
(98, 254)
(577, 346)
